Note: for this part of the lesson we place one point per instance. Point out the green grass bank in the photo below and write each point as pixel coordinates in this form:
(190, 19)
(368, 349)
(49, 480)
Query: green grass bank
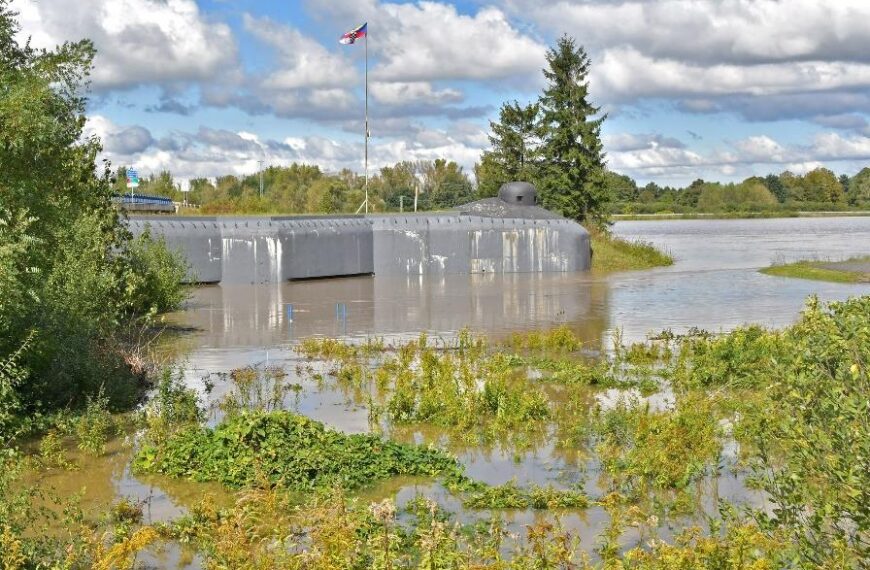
(854, 270)
(611, 253)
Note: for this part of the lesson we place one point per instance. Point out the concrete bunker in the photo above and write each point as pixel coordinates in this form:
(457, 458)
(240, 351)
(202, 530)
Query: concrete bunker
(506, 234)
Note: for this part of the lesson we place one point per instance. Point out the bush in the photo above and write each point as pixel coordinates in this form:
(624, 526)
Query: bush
(153, 276)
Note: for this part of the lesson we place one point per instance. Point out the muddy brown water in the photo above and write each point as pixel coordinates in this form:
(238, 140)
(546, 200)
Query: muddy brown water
(714, 284)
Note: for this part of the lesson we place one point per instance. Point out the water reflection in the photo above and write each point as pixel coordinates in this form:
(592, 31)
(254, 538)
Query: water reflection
(714, 284)
(275, 315)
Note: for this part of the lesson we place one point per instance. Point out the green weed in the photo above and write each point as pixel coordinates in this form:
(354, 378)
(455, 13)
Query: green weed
(95, 426)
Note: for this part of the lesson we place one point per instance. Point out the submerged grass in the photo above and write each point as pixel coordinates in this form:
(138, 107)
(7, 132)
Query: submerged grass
(612, 253)
(854, 270)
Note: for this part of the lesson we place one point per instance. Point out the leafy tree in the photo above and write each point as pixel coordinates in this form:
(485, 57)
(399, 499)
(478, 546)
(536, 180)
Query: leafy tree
(621, 187)
(690, 195)
(161, 185)
(327, 196)
(515, 141)
(445, 184)
(821, 185)
(844, 182)
(66, 259)
(393, 182)
(793, 186)
(572, 178)
(859, 189)
(753, 194)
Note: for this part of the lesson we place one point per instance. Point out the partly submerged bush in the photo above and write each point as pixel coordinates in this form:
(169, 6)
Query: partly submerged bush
(152, 276)
(665, 449)
(289, 450)
(818, 474)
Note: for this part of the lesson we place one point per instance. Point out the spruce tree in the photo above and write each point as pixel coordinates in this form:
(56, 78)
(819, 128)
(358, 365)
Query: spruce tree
(514, 153)
(572, 179)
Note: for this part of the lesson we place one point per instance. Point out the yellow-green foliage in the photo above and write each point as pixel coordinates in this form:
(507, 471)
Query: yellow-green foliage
(743, 358)
(94, 426)
(559, 339)
(456, 385)
(258, 388)
(743, 547)
(663, 449)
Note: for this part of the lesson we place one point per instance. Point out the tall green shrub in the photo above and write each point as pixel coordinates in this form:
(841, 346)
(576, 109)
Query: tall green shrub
(68, 269)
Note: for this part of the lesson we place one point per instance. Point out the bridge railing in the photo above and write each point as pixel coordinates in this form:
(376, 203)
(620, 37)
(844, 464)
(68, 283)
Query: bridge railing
(142, 199)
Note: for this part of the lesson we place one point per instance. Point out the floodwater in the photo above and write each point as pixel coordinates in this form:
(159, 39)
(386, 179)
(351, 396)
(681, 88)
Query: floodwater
(714, 284)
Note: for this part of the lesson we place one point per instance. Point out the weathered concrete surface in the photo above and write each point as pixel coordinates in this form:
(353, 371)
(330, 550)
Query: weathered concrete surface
(264, 249)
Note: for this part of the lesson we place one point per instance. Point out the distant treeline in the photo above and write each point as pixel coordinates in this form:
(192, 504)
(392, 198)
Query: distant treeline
(306, 189)
(819, 189)
(302, 188)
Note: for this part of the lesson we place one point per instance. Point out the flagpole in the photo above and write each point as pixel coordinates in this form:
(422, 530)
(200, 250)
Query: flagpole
(367, 121)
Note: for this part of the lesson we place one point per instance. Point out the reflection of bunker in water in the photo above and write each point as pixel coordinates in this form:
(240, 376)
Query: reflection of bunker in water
(508, 234)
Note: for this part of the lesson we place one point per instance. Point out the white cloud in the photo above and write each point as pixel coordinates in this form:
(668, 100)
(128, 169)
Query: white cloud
(764, 59)
(303, 61)
(714, 31)
(213, 152)
(138, 41)
(403, 93)
(625, 72)
(631, 141)
(761, 148)
(432, 41)
(740, 159)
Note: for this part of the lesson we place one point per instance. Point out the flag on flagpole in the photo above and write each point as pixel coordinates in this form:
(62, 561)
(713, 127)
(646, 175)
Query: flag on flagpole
(354, 35)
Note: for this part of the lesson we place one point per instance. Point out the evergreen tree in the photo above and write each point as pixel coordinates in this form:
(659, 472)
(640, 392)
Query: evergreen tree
(776, 187)
(572, 178)
(515, 143)
(844, 182)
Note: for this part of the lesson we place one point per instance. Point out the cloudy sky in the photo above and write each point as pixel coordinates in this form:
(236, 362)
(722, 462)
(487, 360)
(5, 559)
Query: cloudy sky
(719, 89)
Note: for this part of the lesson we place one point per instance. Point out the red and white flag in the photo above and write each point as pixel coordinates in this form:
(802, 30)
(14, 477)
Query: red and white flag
(354, 35)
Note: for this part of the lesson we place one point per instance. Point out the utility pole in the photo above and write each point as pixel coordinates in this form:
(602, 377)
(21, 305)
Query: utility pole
(260, 162)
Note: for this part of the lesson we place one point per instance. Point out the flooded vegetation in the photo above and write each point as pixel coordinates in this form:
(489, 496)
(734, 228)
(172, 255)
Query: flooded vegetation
(555, 432)
(647, 434)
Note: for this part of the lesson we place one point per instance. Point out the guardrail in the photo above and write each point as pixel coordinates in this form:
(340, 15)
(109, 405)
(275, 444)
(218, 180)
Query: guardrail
(144, 203)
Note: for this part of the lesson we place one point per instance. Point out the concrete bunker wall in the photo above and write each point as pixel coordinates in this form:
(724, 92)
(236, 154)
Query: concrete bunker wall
(198, 238)
(326, 247)
(472, 244)
(263, 250)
